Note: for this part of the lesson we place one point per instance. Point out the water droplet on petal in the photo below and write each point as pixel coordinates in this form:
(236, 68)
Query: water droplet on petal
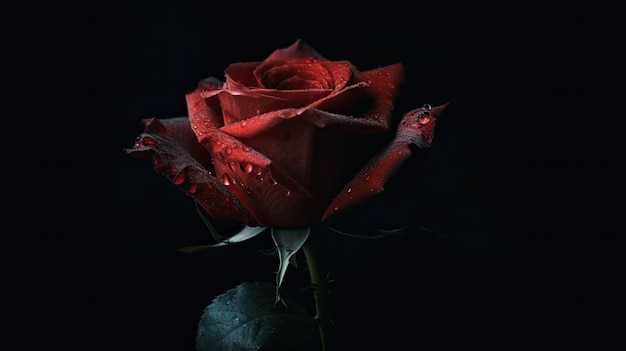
(288, 192)
(273, 181)
(247, 168)
(179, 179)
(427, 106)
(423, 118)
(349, 190)
(148, 141)
(193, 188)
(226, 179)
(244, 123)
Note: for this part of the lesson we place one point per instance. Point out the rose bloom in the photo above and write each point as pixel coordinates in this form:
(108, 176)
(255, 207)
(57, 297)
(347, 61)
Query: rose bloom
(273, 145)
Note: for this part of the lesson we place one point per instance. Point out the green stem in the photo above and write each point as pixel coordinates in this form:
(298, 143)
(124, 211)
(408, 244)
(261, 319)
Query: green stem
(320, 286)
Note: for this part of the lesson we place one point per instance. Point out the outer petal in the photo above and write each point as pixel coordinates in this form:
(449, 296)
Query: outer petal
(384, 82)
(178, 156)
(376, 99)
(273, 197)
(263, 122)
(203, 112)
(299, 49)
(417, 128)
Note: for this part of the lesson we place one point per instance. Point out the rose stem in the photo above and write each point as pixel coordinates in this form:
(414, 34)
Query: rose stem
(320, 292)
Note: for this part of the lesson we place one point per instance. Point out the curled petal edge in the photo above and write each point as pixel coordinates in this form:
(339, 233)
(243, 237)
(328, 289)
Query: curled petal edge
(416, 127)
(174, 161)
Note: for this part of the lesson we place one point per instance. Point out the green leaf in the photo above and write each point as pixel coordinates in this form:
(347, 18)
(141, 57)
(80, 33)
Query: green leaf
(245, 318)
(288, 241)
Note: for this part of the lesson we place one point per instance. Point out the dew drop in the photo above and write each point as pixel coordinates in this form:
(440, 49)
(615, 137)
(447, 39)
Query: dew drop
(273, 181)
(244, 123)
(336, 208)
(179, 179)
(193, 188)
(226, 179)
(247, 168)
(427, 106)
(231, 165)
(288, 192)
(349, 190)
(148, 141)
(367, 177)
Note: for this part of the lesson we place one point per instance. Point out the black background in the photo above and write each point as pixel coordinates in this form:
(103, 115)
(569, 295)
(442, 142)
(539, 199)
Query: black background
(523, 184)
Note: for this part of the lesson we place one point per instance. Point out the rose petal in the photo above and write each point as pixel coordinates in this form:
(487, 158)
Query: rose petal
(260, 124)
(241, 73)
(416, 127)
(204, 113)
(178, 156)
(275, 74)
(237, 106)
(299, 49)
(384, 82)
(257, 181)
(380, 88)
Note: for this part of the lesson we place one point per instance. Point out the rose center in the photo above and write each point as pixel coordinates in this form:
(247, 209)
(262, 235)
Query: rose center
(297, 76)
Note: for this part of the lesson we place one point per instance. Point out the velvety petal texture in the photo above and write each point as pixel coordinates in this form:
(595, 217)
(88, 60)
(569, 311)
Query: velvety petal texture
(267, 146)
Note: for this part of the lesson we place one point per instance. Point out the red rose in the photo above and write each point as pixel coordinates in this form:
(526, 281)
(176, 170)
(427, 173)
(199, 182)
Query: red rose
(265, 147)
